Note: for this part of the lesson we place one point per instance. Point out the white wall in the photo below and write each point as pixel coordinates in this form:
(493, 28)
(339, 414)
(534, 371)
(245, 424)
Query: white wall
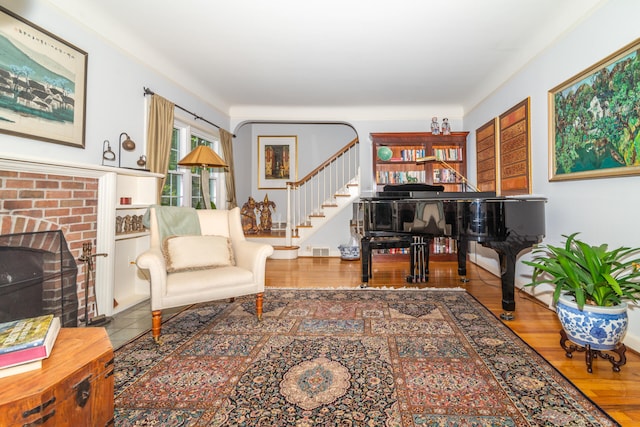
(115, 101)
(602, 210)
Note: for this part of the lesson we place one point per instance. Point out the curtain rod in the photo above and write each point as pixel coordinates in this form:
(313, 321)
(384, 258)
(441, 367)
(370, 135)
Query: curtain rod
(148, 91)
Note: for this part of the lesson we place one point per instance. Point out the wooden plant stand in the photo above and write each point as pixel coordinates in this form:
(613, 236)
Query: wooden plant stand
(590, 354)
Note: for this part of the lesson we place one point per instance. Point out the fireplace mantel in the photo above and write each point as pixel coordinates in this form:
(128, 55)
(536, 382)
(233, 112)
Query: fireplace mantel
(113, 183)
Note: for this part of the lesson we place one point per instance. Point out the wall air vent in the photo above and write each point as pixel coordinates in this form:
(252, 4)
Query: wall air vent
(321, 251)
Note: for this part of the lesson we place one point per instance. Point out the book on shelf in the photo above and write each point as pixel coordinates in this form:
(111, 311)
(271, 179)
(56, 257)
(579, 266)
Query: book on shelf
(27, 340)
(448, 154)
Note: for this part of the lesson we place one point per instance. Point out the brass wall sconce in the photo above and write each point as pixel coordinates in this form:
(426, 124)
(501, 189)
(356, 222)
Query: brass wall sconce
(107, 153)
(127, 144)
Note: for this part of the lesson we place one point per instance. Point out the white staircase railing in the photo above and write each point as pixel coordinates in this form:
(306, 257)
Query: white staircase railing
(320, 188)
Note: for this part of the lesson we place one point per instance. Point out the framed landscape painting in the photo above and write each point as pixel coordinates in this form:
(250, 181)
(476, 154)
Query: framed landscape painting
(42, 83)
(594, 120)
(277, 161)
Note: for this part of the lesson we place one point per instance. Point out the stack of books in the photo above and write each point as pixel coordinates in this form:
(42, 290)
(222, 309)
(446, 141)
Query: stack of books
(25, 342)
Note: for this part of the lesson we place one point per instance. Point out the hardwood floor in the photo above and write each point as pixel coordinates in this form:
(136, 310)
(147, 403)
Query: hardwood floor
(618, 393)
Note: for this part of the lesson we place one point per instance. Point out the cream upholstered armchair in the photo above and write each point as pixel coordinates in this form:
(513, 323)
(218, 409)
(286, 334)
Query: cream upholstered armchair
(198, 256)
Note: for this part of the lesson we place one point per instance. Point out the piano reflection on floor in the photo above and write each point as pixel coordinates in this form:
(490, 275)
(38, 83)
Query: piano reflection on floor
(411, 219)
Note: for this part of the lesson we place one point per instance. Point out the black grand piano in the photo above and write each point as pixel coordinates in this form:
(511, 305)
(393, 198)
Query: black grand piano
(410, 219)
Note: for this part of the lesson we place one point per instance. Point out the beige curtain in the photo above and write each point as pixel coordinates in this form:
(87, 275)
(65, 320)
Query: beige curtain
(226, 141)
(159, 134)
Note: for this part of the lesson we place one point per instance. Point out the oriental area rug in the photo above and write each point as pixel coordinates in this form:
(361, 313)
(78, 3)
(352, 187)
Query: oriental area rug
(361, 357)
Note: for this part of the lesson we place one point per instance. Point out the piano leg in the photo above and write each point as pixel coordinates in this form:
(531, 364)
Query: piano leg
(365, 259)
(424, 259)
(508, 277)
(463, 246)
(507, 254)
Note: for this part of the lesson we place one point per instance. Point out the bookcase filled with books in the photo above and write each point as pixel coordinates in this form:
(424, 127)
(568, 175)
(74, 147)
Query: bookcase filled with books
(448, 162)
(395, 156)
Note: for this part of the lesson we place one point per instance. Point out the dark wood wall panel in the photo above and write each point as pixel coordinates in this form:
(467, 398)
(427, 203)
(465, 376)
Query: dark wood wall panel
(486, 156)
(515, 150)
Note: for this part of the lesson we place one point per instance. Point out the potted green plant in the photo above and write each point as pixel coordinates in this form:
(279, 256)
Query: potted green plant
(592, 287)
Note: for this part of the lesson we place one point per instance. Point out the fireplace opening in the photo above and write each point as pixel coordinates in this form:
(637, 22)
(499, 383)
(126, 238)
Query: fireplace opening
(37, 276)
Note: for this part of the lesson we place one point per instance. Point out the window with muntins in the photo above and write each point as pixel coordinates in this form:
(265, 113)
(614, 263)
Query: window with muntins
(182, 186)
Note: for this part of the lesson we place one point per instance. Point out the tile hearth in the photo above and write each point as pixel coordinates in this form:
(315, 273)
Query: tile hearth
(130, 323)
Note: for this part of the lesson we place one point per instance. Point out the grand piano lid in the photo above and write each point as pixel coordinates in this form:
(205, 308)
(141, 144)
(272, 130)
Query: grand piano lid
(527, 197)
(464, 195)
(448, 195)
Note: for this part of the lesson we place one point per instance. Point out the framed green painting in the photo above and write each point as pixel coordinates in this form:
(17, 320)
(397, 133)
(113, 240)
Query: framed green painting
(594, 120)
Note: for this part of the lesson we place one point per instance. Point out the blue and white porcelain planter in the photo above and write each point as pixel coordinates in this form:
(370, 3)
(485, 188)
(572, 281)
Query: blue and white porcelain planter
(600, 327)
(349, 253)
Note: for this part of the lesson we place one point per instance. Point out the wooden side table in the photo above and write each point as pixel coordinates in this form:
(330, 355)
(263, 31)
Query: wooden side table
(74, 387)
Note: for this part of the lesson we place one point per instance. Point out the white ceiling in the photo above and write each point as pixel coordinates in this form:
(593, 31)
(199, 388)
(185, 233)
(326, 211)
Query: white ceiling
(254, 54)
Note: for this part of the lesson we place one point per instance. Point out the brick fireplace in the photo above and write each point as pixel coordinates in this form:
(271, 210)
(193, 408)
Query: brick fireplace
(37, 276)
(32, 202)
(81, 200)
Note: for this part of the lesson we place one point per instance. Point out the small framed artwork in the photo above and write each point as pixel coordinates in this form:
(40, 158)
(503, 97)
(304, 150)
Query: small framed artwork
(277, 161)
(486, 156)
(515, 150)
(594, 120)
(43, 82)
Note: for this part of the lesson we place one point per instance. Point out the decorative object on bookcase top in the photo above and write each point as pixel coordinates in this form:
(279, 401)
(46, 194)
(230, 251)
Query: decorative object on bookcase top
(435, 127)
(446, 127)
(142, 161)
(450, 168)
(28, 340)
(385, 154)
